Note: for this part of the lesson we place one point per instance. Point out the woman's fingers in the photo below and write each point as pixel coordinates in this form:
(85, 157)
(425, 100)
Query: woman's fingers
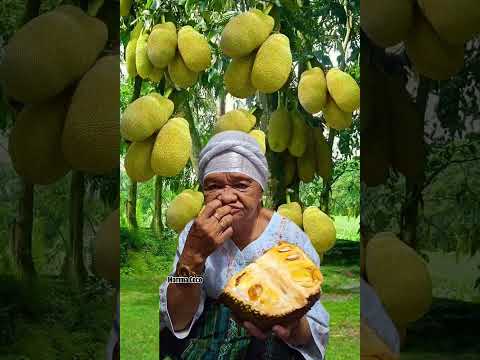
(210, 209)
(254, 331)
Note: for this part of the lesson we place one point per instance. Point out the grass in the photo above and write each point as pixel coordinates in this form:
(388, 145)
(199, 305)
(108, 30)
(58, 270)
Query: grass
(347, 227)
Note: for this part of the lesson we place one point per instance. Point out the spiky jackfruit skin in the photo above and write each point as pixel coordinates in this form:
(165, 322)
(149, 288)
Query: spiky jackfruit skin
(144, 116)
(387, 23)
(156, 74)
(273, 64)
(319, 228)
(323, 155)
(312, 90)
(344, 90)
(106, 259)
(259, 135)
(292, 211)
(432, 57)
(245, 33)
(279, 130)
(172, 148)
(143, 63)
(130, 58)
(194, 49)
(298, 139)
(290, 165)
(162, 44)
(51, 52)
(335, 117)
(185, 207)
(237, 119)
(181, 76)
(125, 6)
(90, 140)
(35, 142)
(400, 277)
(237, 77)
(137, 30)
(278, 288)
(137, 160)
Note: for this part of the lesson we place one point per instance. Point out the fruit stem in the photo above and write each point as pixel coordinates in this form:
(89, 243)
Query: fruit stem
(309, 65)
(163, 18)
(268, 9)
(167, 92)
(279, 100)
(196, 187)
(288, 197)
(253, 110)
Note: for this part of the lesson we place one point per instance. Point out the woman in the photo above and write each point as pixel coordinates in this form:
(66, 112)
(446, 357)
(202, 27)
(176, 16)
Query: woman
(231, 232)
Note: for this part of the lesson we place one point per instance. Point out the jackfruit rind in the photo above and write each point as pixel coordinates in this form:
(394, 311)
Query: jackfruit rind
(323, 155)
(130, 51)
(143, 63)
(273, 64)
(237, 77)
(344, 90)
(245, 33)
(319, 228)
(194, 49)
(279, 130)
(238, 119)
(400, 277)
(306, 164)
(137, 160)
(90, 141)
(312, 90)
(162, 44)
(50, 52)
(298, 139)
(172, 148)
(125, 6)
(185, 207)
(156, 74)
(259, 135)
(292, 211)
(35, 142)
(335, 117)
(181, 76)
(106, 259)
(144, 116)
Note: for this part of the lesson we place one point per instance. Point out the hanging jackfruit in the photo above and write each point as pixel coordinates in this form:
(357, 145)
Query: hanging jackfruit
(185, 207)
(292, 211)
(259, 135)
(144, 66)
(279, 129)
(137, 30)
(323, 155)
(335, 117)
(290, 165)
(237, 77)
(273, 64)
(125, 6)
(245, 33)
(137, 160)
(162, 44)
(344, 90)
(298, 139)
(106, 259)
(238, 119)
(181, 76)
(312, 90)
(306, 165)
(130, 58)
(194, 49)
(319, 228)
(172, 148)
(156, 74)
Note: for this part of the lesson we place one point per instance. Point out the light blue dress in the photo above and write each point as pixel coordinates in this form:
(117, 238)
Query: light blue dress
(227, 260)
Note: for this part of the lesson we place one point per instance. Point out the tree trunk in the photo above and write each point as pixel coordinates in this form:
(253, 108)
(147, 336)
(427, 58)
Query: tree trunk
(327, 185)
(221, 107)
(131, 206)
(157, 225)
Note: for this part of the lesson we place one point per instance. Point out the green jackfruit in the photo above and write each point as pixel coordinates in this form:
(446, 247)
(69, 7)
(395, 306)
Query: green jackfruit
(137, 30)
(323, 155)
(306, 165)
(181, 76)
(145, 116)
(125, 6)
(106, 259)
(51, 52)
(312, 90)
(238, 119)
(273, 64)
(279, 130)
(344, 90)
(245, 33)
(130, 58)
(185, 207)
(319, 228)
(144, 66)
(172, 148)
(35, 142)
(298, 139)
(162, 44)
(137, 160)
(292, 211)
(335, 117)
(237, 77)
(290, 166)
(90, 140)
(156, 74)
(194, 49)
(259, 135)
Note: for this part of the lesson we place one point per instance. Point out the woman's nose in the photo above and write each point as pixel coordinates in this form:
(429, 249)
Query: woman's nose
(227, 195)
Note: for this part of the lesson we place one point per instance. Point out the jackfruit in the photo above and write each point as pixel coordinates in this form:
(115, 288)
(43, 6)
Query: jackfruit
(259, 135)
(172, 148)
(290, 166)
(279, 130)
(181, 76)
(238, 119)
(156, 74)
(137, 30)
(125, 6)
(319, 228)
(137, 160)
(292, 211)
(194, 49)
(387, 22)
(279, 287)
(237, 77)
(185, 207)
(245, 33)
(51, 52)
(35, 142)
(306, 165)
(323, 155)
(144, 66)
(273, 64)
(106, 258)
(344, 90)
(335, 117)
(399, 276)
(130, 58)
(432, 57)
(298, 139)
(162, 44)
(455, 21)
(312, 90)
(90, 137)
(144, 116)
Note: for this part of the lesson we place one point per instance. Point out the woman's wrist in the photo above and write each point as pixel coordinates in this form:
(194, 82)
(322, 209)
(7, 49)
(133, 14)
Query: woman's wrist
(194, 260)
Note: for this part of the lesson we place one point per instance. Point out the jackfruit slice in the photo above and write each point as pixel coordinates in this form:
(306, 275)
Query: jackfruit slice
(172, 148)
(335, 117)
(143, 63)
(292, 211)
(279, 130)
(298, 139)
(181, 76)
(323, 155)
(194, 49)
(237, 77)
(312, 90)
(238, 119)
(125, 6)
(344, 90)
(245, 33)
(319, 228)
(130, 57)
(273, 64)
(185, 207)
(162, 44)
(279, 287)
(50, 52)
(137, 161)
(306, 164)
(106, 259)
(259, 135)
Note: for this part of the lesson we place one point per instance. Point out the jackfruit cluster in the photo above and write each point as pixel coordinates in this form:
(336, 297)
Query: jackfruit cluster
(320, 229)
(185, 207)
(292, 211)
(238, 119)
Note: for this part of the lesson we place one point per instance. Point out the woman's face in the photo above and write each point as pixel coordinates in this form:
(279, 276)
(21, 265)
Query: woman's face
(237, 190)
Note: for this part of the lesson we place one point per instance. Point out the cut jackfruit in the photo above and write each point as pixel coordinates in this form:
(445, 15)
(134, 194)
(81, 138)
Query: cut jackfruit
(162, 44)
(194, 49)
(238, 119)
(344, 90)
(143, 63)
(237, 77)
(185, 207)
(312, 90)
(298, 140)
(292, 211)
(335, 117)
(181, 76)
(319, 228)
(279, 287)
(137, 160)
(279, 130)
(259, 135)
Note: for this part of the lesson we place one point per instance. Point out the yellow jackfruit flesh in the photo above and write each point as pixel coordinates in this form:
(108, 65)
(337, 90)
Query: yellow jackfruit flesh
(237, 77)
(145, 116)
(106, 259)
(259, 135)
(238, 119)
(319, 228)
(312, 90)
(130, 58)
(279, 130)
(35, 142)
(156, 75)
(137, 160)
(245, 33)
(323, 155)
(335, 117)
(298, 139)
(400, 277)
(185, 207)
(172, 148)
(292, 211)
(306, 164)
(125, 6)
(194, 49)
(162, 44)
(51, 52)
(273, 64)
(181, 76)
(144, 65)
(344, 90)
